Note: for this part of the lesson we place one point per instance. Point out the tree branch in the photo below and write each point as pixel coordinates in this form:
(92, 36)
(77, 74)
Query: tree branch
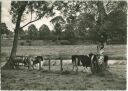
(30, 22)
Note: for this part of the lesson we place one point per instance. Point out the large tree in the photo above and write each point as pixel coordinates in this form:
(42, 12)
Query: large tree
(18, 10)
(0, 31)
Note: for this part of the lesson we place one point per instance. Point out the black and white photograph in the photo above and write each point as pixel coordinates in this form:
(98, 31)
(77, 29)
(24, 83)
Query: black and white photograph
(63, 44)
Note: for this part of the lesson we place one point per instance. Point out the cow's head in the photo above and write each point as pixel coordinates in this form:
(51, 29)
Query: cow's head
(39, 58)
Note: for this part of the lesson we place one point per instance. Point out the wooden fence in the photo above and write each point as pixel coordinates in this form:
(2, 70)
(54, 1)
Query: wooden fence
(51, 57)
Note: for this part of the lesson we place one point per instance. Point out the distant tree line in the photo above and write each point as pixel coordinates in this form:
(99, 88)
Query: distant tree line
(81, 28)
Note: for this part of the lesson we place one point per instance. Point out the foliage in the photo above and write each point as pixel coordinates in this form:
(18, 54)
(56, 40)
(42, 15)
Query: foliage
(78, 20)
(4, 29)
(32, 32)
(58, 19)
(44, 32)
(58, 29)
(41, 8)
(81, 20)
(118, 25)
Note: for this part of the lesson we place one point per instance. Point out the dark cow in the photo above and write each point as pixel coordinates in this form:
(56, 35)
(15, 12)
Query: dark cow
(37, 59)
(84, 59)
(87, 60)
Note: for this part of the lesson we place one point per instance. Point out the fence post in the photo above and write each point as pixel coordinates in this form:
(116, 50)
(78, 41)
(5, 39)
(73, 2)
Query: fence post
(49, 64)
(61, 64)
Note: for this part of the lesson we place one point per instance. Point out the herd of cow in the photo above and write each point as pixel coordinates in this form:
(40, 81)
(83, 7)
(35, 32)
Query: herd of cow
(90, 60)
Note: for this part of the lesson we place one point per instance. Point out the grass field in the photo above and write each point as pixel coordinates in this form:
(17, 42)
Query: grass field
(114, 79)
(113, 51)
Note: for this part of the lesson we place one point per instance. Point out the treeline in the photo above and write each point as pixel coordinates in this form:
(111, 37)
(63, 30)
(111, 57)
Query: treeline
(81, 28)
(80, 23)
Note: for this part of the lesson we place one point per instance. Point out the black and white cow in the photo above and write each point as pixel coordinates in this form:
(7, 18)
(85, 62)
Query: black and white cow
(36, 60)
(19, 60)
(27, 61)
(87, 60)
(84, 59)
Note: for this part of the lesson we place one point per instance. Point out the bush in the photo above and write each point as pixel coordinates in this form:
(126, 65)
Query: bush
(65, 42)
(29, 42)
(22, 43)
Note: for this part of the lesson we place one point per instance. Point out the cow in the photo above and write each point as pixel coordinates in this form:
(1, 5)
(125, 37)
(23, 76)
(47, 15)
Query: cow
(20, 61)
(36, 60)
(87, 60)
(84, 59)
(27, 61)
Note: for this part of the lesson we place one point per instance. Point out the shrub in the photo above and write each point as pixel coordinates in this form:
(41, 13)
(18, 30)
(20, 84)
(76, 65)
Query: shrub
(65, 42)
(29, 42)
(22, 43)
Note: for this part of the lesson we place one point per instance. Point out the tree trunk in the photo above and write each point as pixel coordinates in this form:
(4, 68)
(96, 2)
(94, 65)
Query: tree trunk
(101, 18)
(57, 39)
(0, 32)
(102, 14)
(10, 63)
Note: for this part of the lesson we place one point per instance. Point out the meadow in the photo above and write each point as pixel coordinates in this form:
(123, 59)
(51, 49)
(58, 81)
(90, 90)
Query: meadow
(24, 79)
(113, 79)
(113, 51)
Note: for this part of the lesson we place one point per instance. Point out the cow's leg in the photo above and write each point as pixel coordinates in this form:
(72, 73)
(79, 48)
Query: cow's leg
(86, 69)
(73, 66)
(30, 64)
(76, 64)
(32, 67)
(39, 64)
(17, 64)
(76, 68)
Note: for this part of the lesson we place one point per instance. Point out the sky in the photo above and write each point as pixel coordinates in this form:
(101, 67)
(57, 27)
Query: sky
(6, 18)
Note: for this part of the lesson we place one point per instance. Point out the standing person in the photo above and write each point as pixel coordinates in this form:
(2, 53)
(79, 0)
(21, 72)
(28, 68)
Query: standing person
(100, 51)
(100, 48)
